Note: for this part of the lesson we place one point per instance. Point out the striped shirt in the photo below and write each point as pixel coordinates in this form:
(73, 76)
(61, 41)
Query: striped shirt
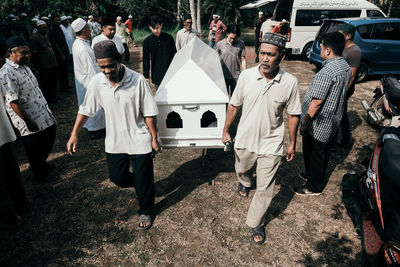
(330, 85)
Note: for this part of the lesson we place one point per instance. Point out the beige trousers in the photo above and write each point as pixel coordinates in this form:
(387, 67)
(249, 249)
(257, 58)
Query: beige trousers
(267, 165)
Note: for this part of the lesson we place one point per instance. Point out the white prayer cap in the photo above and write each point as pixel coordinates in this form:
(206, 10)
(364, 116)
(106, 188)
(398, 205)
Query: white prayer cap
(40, 22)
(215, 16)
(69, 17)
(90, 16)
(63, 18)
(78, 24)
(35, 20)
(119, 18)
(44, 18)
(130, 16)
(284, 20)
(260, 13)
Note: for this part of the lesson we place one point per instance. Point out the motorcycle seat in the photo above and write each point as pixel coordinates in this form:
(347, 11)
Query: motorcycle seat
(392, 87)
(389, 167)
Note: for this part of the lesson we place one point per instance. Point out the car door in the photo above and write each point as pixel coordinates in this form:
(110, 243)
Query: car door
(382, 48)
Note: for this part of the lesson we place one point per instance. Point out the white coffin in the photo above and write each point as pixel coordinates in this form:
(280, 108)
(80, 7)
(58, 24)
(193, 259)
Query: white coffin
(192, 99)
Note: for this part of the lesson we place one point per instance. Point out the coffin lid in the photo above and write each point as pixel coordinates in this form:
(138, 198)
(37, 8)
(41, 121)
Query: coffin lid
(194, 77)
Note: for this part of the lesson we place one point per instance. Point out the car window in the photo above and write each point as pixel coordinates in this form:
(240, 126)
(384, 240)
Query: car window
(365, 31)
(374, 13)
(329, 26)
(316, 17)
(386, 31)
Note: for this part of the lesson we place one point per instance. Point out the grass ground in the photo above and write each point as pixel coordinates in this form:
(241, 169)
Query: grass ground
(80, 218)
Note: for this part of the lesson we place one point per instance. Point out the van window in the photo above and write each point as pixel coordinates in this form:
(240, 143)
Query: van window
(315, 17)
(365, 31)
(374, 13)
(386, 31)
(327, 27)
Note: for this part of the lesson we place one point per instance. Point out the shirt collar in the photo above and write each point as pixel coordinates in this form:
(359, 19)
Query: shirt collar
(13, 64)
(330, 60)
(125, 79)
(277, 77)
(83, 40)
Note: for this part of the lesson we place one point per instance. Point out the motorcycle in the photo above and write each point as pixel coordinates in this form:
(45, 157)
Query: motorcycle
(373, 201)
(384, 110)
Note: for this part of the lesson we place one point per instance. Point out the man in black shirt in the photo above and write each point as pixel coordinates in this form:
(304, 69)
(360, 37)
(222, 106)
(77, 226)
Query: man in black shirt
(158, 51)
(257, 27)
(60, 48)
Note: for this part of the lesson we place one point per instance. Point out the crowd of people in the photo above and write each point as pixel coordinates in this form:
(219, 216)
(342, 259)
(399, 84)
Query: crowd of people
(116, 103)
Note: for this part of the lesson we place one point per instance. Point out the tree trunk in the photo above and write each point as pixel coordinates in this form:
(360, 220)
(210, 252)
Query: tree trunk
(178, 12)
(198, 17)
(193, 12)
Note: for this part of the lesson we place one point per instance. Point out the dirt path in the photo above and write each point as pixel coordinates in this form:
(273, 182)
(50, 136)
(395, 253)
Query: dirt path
(81, 218)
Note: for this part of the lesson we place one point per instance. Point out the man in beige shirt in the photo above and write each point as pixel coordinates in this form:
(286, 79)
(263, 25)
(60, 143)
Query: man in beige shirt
(263, 92)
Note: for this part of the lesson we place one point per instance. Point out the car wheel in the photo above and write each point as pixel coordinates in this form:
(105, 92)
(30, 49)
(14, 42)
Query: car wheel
(306, 51)
(362, 73)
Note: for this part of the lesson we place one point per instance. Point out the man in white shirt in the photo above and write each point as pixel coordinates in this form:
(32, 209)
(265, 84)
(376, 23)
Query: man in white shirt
(120, 31)
(85, 67)
(109, 29)
(130, 112)
(68, 33)
(27, 107)
(184, 35)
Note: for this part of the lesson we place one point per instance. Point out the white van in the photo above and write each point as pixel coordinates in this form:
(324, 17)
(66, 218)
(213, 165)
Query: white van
(306, 17)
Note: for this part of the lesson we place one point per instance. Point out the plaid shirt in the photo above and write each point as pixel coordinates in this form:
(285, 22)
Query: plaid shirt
(330, 85)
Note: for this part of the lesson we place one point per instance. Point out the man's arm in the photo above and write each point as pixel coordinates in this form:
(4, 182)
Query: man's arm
(353, 77)
(230, 117)
(32, 126)
(313, 108)
(293, 122)
(73, 139)
(146, 60)
(244, 64)
(150, 122)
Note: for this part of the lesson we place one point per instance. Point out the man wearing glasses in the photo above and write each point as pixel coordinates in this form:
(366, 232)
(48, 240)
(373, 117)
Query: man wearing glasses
(184, 35)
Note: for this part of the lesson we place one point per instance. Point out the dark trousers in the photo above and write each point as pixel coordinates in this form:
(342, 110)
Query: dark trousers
(63, 74)
(257, 48)
(126, 51)
(316, 157)
(38, 147)
(142, 178)
(345, 122)
(12, 193)
(48, 83)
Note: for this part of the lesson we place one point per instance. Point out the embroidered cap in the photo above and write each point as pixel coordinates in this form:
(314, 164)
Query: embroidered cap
(40, 22)
(275, 39)
(78, 24)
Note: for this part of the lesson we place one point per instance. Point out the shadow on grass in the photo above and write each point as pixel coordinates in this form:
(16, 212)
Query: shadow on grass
(191, 175)
(333, 251)
(70, 216)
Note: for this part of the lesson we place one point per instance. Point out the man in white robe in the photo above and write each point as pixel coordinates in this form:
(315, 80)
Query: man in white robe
(85, 67)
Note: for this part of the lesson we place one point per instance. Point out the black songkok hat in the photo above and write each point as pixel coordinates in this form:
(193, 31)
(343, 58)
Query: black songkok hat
(15, 41)
(275, 39)
(107, 21)
(106, 49)
(187, 16)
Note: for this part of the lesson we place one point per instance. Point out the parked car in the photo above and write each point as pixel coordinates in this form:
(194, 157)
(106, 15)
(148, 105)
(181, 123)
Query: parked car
(378, 39)
(306, 16)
